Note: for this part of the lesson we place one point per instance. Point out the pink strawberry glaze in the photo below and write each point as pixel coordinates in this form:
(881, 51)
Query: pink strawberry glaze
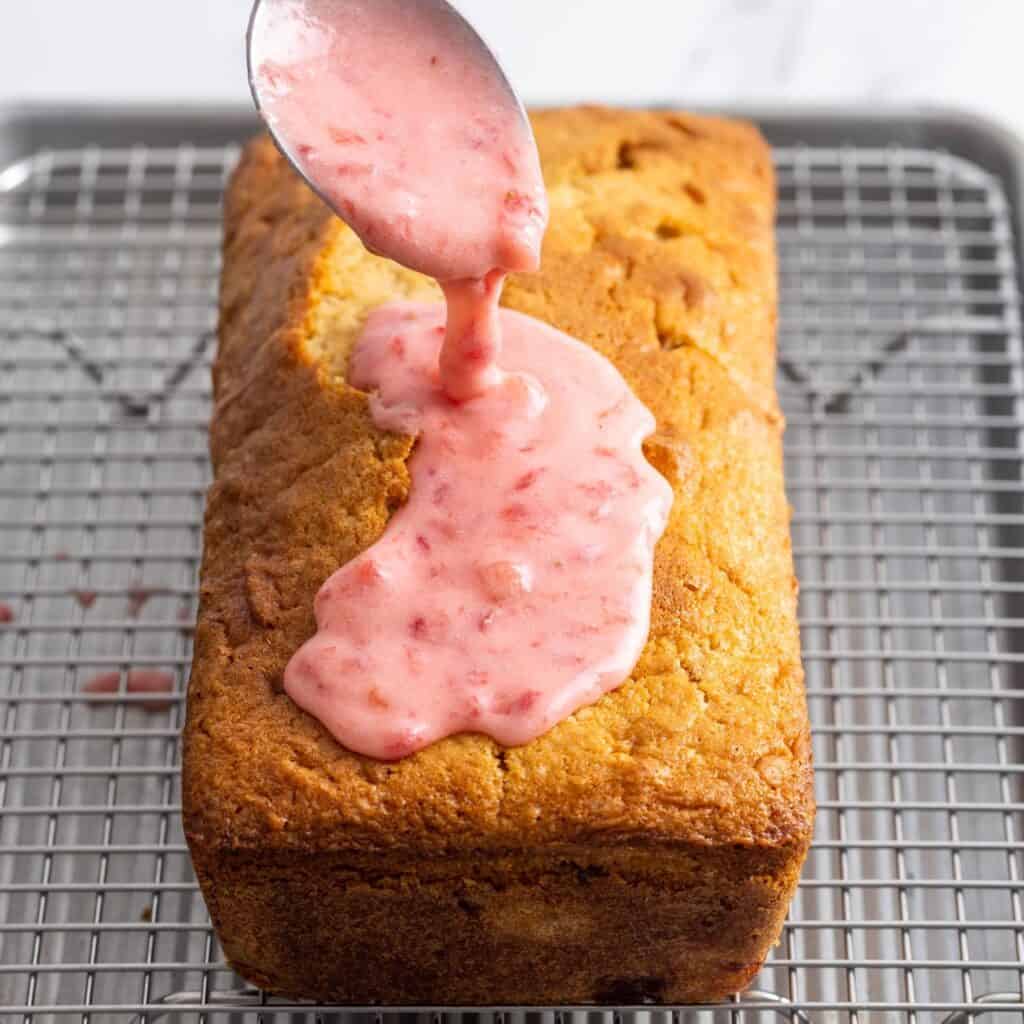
(138, 680)
(514, 585)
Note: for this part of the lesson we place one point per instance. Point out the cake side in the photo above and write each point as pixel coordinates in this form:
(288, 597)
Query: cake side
(568, 926)
(693, 778)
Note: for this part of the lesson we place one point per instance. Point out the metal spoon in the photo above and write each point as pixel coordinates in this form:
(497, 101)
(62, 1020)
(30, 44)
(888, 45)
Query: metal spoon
(259, 41)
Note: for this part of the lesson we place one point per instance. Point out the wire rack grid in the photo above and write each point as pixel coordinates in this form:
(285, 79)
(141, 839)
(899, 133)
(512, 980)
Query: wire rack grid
(900, 373)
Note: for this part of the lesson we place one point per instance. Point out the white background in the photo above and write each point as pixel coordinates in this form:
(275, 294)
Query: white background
(962, 53)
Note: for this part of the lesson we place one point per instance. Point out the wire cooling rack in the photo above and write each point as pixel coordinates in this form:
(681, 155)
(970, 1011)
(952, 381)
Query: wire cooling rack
(900, 372)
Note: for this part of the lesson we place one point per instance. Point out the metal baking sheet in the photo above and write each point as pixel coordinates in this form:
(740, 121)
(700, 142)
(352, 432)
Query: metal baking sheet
(900, 373)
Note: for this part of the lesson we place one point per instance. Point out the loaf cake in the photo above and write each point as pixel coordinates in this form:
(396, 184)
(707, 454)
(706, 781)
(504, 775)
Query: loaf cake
(647, 847)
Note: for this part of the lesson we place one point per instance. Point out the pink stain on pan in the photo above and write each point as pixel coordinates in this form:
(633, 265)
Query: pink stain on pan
(138, 680)
(139, 595)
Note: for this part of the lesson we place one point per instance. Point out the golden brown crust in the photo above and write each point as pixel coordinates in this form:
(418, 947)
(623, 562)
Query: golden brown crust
(659, 254)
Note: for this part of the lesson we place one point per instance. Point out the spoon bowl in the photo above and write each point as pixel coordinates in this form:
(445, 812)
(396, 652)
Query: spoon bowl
(271, 33)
